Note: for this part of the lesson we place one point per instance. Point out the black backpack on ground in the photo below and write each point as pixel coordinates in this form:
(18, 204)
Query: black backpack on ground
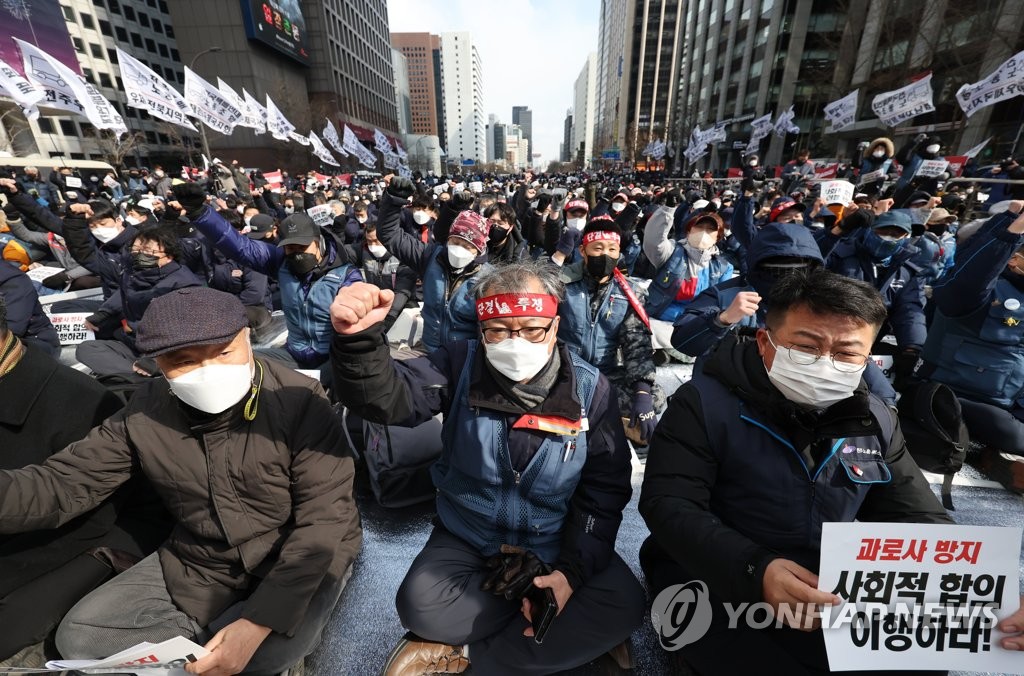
(933, 426)
(398, 461)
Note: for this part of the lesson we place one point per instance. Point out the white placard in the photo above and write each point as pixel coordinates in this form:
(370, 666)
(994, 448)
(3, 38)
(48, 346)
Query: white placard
(322, 214)
(837, 192)
(71, 327)
(931, 168)
(919, 596)
(38, 274)
(72, 182)
(1004, 83)
(476, 186)
(884, 363)
(902, 104)
(872, 176)
(167, 658)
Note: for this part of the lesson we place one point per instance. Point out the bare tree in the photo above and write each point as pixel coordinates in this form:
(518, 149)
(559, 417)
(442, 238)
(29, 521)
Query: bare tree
(116, 147)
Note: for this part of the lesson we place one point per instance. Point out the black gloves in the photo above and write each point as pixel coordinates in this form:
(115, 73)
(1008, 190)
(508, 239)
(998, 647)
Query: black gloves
(543, 201)
(669, 198)
(462, 201)
(57, 281)
(191, 197)
(642, 416)
(511, 572)
(402, 188)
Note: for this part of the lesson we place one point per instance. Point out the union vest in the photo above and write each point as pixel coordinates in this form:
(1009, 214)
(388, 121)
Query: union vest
(446, 319)
(665, 286)
(482, 500)
(596, 340)
(981, 355)
(308, 313)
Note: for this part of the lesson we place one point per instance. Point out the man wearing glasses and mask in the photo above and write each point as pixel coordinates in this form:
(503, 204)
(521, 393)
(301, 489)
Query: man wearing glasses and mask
(531, 484)
(768, 441)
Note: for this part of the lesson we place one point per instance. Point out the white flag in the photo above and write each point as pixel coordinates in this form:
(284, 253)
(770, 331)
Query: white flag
(277, 124)
(65, 89)
(12, 84)
(331, 134)
(209, 105)
(256, 109)
(298, 138)
(250, 119)
(321, 151)
(842, 113)
(404, 171)
(784, 124)
(1006, 82)
(150, 92)
(391, 161)
(760, 128)
(362, 153)
(900, 105)
(381, 141)
(978, 148)
(401, 151)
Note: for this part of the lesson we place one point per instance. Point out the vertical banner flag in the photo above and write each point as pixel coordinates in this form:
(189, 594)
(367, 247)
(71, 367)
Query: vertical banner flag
(277, 124)
(321, 151)
(150, 92)
(298, 138)
(381, 141)
(209, 105)
(250, 119)
(784, 124)
(842, 113)
(331, 135)
(12, 84)
(902, 104)
(401, 151)
(256, 109)
(404, 171)
(760, 129)
(66, 90)
(978, 148)
(917, 596)
(1004, 83)
(362, 153)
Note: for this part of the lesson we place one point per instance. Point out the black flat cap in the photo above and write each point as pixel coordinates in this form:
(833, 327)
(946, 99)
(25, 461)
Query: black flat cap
(197, 315)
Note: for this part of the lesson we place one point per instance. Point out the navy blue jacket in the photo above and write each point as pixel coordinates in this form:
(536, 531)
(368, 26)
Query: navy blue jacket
(25, 316)
(104, 259)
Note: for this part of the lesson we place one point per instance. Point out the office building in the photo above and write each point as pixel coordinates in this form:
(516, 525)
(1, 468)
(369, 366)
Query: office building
(523, 116)
(584, 108)
(422, 52)
(566, 145)
(462, 89)
(402, 97)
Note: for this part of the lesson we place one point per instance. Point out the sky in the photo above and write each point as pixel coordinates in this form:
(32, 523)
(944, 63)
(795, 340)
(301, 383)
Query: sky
(531, 52)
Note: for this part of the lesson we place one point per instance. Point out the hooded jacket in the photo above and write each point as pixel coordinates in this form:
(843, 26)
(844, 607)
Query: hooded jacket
(737, 476)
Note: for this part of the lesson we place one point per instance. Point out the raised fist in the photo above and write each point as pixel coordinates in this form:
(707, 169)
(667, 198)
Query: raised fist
(402, 188)
(359, 306)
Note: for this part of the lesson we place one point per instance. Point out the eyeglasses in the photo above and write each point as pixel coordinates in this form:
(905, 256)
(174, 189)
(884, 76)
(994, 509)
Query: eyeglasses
(847, 362)
(150, 252)
(531, 334)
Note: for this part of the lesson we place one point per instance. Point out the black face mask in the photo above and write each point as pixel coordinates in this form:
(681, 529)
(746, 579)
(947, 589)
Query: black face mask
(144, 261)
(301, 264)
(601, 266)
(496, 235)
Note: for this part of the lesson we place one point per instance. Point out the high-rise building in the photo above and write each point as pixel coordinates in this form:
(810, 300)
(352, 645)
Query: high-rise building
(498, 132)
(422, 52)
(513, 157)
(566, 145)
(402, 97)
(462, 88)
(492, 120)
(144, 30)
(585, 94)
(639, 48)
(523, 116)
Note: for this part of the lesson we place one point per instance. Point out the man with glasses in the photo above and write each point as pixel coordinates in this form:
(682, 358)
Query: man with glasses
(768, 441)
(531, 484)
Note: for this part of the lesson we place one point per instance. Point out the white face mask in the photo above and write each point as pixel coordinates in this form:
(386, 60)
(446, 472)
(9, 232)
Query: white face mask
(248, 221)
(360, 219)
(752, 163)
(517, 359)
(214, 388)
(289, 210)
(421, 217)
(932, 149)
(377, 250)
(459, 257)
(105, 234)
(700, 239)
(240, 208)
(618, 206)
(576, 223)
(817, 385)
(132, 220)
(878, 153)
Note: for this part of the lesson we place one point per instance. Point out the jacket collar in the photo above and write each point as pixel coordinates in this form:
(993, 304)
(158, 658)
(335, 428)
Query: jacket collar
(562, 401)
(22, 387)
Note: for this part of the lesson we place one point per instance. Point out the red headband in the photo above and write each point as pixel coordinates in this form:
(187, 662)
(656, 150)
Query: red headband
(601, 236)
(516, 305)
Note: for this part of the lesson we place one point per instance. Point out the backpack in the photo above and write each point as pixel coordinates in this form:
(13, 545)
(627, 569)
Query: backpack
(398, 461)
(933, 426)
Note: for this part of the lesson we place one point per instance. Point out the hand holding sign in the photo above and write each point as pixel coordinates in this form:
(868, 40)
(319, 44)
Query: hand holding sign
(790, 585)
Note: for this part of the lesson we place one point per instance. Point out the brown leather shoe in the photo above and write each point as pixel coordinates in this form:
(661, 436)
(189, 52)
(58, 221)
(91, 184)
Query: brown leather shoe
(1006, 468)
(414, 656)
(622, 654)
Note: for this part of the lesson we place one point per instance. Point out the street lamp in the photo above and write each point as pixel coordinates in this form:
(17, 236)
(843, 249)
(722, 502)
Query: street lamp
(202, 127)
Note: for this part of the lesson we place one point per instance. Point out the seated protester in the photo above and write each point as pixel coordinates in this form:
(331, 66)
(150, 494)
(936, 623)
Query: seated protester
(309, 263)
(449, 271)
(936, 246)
(139, 212)
(152, 270)
(505, 243)
(73, 276)
(976, 341)
(418, 218)
(339, 218)
(25, 318)
(261, 547)
(878, 160)
(383, 270)
(357, 221)
(602, 316)
(511, 402)
(40, 190)
(43, 573)
(878, 256)
(743, 470)
(576, 212)
(251, 287)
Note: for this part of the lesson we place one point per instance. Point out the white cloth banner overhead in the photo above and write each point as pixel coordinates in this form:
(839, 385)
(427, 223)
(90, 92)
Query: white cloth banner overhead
(784, 124)
(978, 148)
(401, 151)
(256, 109)
(760, 129)
(1004, 83)
(902, 104)
(381, 142)
(13, 85)
(331, 136)
(298, 138)
(150, 92)
(321, 151)
(277, 124)
(250, 118)
(391, 161)
(209, 105)
(658, 151)
(362, 153)
(842, 113)
(66, 90)
(405, 172)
